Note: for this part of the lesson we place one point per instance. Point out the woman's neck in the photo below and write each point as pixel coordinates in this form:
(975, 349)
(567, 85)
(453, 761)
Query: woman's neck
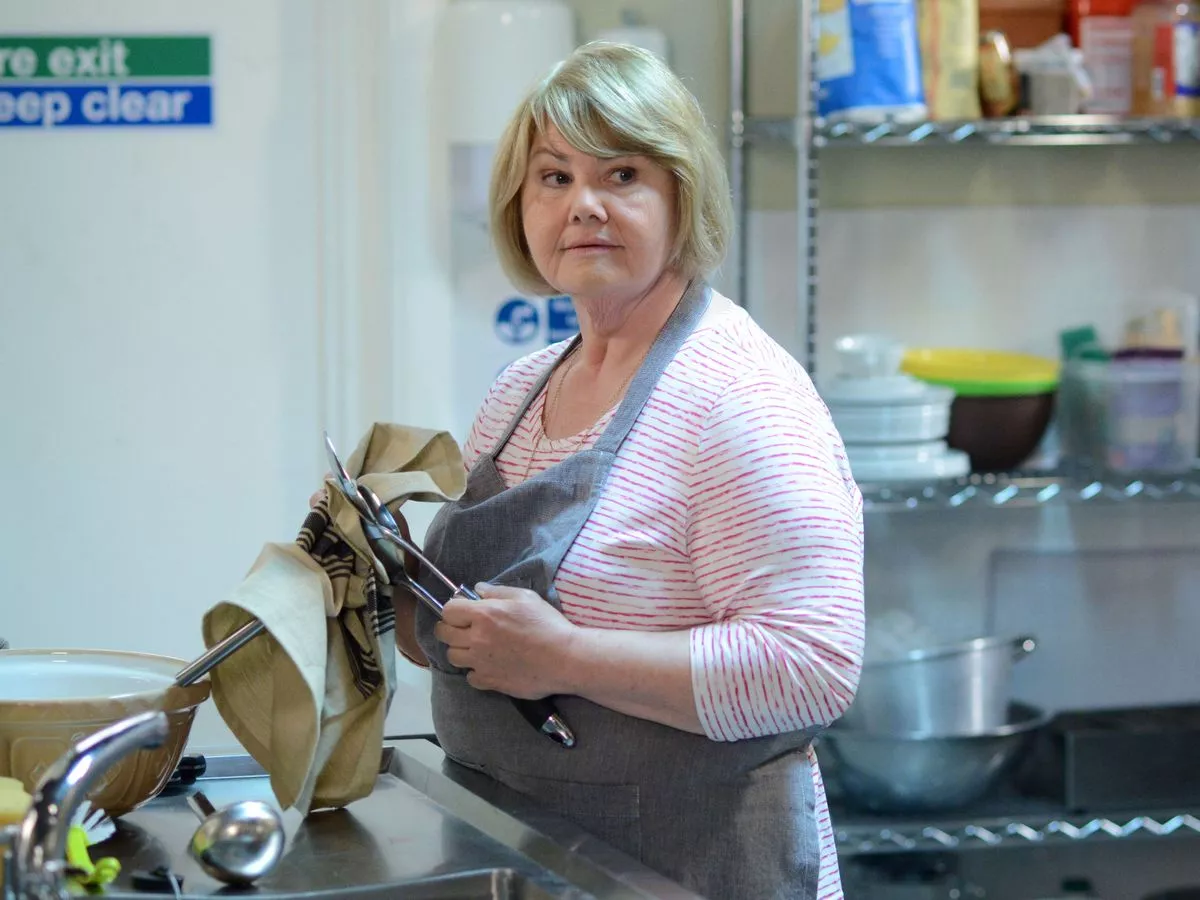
(617, 334)
(619, 331)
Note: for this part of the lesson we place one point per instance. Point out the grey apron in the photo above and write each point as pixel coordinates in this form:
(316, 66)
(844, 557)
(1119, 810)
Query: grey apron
(725, 819)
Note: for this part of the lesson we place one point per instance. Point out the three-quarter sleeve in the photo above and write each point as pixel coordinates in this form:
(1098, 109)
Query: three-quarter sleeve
(775, 540)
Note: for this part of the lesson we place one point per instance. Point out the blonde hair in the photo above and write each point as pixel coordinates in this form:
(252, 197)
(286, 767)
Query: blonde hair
(615, 100)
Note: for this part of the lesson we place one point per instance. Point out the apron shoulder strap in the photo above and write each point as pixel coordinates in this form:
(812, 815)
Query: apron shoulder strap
(538, 387)
(682, 322)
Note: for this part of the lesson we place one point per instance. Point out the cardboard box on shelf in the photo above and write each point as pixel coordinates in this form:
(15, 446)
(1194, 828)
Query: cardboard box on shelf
(1026, 23)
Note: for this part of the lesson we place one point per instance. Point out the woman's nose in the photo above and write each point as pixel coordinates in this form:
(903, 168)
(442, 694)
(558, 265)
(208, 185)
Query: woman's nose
(587, 205)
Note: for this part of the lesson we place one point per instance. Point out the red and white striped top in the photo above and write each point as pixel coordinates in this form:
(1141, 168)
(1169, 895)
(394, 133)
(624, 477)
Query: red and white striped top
(730, 510)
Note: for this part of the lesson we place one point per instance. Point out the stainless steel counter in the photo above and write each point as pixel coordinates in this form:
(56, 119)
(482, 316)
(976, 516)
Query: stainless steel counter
(429, 830)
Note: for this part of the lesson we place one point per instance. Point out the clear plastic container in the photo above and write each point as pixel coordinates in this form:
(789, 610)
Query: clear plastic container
(1131, 415)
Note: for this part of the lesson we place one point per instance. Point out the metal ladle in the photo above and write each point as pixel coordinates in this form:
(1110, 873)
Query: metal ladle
(239, 843)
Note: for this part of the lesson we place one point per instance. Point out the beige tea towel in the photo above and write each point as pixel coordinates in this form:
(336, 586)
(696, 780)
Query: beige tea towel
(308, 698)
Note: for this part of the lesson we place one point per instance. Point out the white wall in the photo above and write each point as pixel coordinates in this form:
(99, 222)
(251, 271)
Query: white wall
(160, 341)
(421, 335)
(182, 312)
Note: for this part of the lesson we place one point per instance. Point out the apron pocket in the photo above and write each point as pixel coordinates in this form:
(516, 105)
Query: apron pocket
(611, 812)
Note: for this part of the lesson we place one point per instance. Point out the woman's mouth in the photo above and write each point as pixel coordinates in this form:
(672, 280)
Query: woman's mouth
(591, 248)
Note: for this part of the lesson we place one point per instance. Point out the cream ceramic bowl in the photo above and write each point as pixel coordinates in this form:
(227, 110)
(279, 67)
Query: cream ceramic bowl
(50, 699)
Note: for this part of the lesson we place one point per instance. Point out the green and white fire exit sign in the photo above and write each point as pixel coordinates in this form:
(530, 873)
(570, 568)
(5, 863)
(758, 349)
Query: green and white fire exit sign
(57, 81)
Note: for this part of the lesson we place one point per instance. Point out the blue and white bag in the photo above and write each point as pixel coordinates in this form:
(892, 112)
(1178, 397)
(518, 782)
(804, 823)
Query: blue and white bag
(868, 60)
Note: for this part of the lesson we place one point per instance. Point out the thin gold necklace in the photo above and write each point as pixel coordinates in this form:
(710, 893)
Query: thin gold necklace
(558, 384)
(548, 413)
(550, 407)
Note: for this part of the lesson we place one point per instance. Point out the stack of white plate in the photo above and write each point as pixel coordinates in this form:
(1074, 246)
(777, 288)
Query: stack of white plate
(893, 425)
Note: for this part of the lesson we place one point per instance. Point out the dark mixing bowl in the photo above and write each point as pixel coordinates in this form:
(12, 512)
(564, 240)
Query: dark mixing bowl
(999, 433)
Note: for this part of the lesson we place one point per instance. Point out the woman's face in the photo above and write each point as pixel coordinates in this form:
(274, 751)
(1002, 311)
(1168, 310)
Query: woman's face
(597, 228)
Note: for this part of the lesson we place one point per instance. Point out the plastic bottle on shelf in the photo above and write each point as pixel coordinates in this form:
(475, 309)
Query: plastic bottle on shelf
(1103, 30)
(1166, 58)
(1186, 42)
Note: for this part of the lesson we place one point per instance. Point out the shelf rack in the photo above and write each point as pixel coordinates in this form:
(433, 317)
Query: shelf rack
(1042, 131)
(810, 136)
(1029, 824)
(1010, 821)
(1013, 491)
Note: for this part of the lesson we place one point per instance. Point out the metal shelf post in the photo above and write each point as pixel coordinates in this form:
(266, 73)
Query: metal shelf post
(801, 133)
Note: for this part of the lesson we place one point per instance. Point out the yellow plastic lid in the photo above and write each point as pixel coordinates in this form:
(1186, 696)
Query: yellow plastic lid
(983, 373)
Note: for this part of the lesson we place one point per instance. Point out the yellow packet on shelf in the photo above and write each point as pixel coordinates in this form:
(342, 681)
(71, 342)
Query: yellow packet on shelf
(949, 39)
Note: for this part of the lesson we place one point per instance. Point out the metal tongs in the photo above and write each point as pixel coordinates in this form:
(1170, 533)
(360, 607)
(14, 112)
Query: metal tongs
(389, 545)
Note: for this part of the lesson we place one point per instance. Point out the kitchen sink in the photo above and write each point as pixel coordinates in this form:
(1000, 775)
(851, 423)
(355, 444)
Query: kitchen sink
(420, 835)
(483, 884)
(487, 884)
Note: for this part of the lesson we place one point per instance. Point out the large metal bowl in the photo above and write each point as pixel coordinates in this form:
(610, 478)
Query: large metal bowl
(924, 773)
(961, 688)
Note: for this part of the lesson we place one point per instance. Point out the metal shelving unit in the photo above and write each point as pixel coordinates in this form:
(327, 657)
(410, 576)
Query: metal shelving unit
(810, 136)
(1041, 131)
(1031, 490)
(1024, 823)
(1007, 820)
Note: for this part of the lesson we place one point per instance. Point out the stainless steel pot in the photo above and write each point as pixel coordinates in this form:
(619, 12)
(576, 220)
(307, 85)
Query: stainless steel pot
(921, 773)
(956, 689)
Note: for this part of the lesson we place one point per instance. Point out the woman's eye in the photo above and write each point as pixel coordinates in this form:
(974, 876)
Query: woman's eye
(556, 178)
(625, 174)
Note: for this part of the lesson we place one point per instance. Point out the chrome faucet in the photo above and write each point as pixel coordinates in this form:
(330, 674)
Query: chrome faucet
(35, 860)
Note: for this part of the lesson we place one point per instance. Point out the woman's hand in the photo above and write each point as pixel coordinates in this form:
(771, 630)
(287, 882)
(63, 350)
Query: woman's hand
(512, 641)
(515, 642)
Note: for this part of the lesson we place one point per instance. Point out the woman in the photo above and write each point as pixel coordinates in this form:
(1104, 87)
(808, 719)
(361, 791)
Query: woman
(659, 513)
